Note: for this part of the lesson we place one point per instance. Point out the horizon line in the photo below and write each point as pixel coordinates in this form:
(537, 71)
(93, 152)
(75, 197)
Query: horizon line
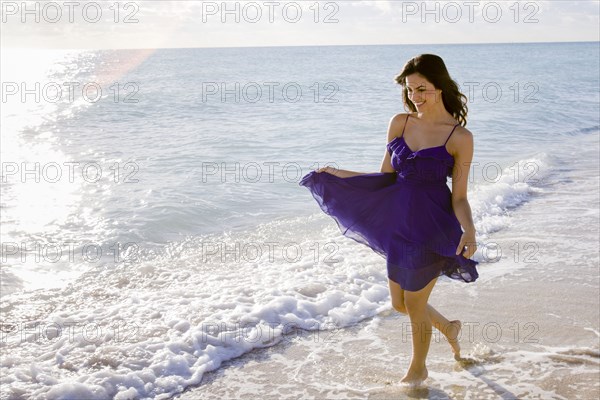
(301, 45)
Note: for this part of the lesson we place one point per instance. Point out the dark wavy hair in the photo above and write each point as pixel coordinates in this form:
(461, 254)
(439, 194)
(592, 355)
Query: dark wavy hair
(432, 67)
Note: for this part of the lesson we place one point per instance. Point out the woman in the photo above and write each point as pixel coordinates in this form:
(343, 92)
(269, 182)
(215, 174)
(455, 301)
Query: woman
(406, 213)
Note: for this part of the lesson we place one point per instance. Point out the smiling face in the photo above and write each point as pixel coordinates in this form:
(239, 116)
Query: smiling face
(421, 92)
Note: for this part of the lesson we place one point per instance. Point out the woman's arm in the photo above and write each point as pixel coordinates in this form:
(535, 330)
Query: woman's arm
(463, 143)
(395, 127)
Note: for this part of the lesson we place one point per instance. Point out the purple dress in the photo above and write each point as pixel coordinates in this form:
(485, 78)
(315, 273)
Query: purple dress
(405, 216)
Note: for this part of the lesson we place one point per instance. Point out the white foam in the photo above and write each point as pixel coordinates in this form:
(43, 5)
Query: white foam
(492, 201)
(178, 323)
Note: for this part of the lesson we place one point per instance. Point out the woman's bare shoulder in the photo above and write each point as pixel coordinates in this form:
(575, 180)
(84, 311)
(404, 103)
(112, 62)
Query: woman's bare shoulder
(463, 133)
(400, 117)
(461, 140)
(396, 125)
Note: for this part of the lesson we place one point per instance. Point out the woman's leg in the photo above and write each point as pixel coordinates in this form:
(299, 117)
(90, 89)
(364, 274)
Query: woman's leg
(450, 329)
(416, 305)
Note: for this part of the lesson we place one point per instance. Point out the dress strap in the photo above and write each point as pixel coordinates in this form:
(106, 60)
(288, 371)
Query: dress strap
(451, 133)
(405, 123)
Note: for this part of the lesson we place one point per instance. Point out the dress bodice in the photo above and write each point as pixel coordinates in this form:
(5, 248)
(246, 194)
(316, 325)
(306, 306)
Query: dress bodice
(431, 165)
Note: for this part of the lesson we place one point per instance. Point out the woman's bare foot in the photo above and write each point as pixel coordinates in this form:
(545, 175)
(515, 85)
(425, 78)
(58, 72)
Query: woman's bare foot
(414, 377)
(452, 335)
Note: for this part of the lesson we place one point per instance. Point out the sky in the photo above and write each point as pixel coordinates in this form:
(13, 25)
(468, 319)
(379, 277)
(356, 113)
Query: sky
(149, 24)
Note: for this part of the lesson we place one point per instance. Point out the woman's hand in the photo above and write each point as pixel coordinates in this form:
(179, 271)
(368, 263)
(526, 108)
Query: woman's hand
(329, 170)
(340, 173)
(467, 239)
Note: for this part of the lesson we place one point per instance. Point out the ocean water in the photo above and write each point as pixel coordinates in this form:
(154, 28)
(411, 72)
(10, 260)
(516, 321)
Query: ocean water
(155, 238)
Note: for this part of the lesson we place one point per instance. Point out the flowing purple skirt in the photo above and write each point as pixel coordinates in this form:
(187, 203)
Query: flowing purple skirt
(405, 217)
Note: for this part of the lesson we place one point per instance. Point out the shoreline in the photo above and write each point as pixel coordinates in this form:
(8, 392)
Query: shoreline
(533, 332)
